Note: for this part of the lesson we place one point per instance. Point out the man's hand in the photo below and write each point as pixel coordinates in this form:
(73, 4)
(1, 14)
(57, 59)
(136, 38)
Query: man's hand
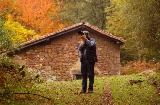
(84, 38)
(82, 42)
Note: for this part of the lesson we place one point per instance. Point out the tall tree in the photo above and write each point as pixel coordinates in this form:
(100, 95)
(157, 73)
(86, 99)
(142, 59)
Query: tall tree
(138, 22)
(92, 11)
(36, 14)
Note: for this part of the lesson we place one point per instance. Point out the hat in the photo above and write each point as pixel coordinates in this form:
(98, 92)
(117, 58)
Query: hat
(83, 32)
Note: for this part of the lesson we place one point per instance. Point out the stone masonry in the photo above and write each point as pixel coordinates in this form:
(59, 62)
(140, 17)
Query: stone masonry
(58, 57)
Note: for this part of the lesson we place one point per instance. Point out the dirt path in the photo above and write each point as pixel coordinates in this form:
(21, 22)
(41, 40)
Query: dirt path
(107, 96)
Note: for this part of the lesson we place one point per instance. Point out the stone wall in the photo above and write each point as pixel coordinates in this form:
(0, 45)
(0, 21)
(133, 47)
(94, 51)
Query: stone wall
(108, 56)
(58, 57)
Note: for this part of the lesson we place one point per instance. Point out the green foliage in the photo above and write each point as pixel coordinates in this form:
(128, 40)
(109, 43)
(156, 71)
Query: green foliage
(144, 21)
(92, 11)
(139, 93)
(155, 78)
(15, 79)
(137, 22)
(5, 42)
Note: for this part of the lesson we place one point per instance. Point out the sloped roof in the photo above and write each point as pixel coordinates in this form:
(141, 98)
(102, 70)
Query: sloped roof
(74, 27)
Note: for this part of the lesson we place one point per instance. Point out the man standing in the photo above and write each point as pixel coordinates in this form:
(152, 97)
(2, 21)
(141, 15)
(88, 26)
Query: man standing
(88, 58)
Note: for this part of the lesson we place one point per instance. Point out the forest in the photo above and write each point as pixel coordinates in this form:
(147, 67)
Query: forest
(136, 21)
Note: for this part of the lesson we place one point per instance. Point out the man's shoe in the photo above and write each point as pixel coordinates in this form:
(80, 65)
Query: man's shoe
(90, 91)
(82, 92)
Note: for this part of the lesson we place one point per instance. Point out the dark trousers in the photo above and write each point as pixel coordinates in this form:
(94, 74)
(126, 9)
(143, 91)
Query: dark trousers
(87, 70)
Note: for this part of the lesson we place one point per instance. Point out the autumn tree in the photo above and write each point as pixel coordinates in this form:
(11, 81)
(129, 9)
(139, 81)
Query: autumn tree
(37, 15)
(5, 42)
(19, 33)
(6, 5)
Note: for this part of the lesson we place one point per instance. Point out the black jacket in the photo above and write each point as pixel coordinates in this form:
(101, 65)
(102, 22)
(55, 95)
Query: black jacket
(88, 51)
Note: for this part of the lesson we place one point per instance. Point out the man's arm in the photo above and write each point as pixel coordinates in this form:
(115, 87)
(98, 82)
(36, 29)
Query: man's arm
(81, 46)
(91, 42)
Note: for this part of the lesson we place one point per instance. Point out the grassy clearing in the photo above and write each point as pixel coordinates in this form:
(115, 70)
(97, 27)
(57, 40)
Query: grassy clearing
(142, 93)
(67, 93)
(64, 93)
(60, 93)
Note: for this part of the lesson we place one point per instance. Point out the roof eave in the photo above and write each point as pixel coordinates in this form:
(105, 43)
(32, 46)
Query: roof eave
(69, 29)
(118, 39)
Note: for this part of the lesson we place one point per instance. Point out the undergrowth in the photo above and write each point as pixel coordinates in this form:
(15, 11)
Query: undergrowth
(18, 86)
(133, 90)
(15, 80)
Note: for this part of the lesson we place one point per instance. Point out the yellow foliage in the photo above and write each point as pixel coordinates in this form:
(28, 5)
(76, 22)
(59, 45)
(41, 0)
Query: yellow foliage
(19, 32)
(9, 17)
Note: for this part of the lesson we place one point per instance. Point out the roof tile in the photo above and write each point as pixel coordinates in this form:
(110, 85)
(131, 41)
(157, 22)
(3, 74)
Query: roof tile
(74, 26)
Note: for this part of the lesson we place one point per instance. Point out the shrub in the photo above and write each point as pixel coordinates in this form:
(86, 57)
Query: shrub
(15, 78)
(138, 67)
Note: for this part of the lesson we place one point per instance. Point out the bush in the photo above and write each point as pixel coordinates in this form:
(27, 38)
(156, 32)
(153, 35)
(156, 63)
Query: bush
(15, 78)
(129, 71)
(138, 67)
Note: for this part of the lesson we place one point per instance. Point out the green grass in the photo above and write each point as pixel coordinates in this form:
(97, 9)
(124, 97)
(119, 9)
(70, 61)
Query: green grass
(61, 93)
(64, 93)
(67, 93)
(155, 78)
(124, 93)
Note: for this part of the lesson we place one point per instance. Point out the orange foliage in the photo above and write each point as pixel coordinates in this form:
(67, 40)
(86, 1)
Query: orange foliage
(5, 5)
(36, 15)
(138, 67)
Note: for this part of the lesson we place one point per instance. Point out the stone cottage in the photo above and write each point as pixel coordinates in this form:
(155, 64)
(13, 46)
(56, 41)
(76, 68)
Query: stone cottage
(56, 54)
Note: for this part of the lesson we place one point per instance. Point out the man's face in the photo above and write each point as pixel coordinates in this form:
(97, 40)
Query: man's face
(83, 36)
